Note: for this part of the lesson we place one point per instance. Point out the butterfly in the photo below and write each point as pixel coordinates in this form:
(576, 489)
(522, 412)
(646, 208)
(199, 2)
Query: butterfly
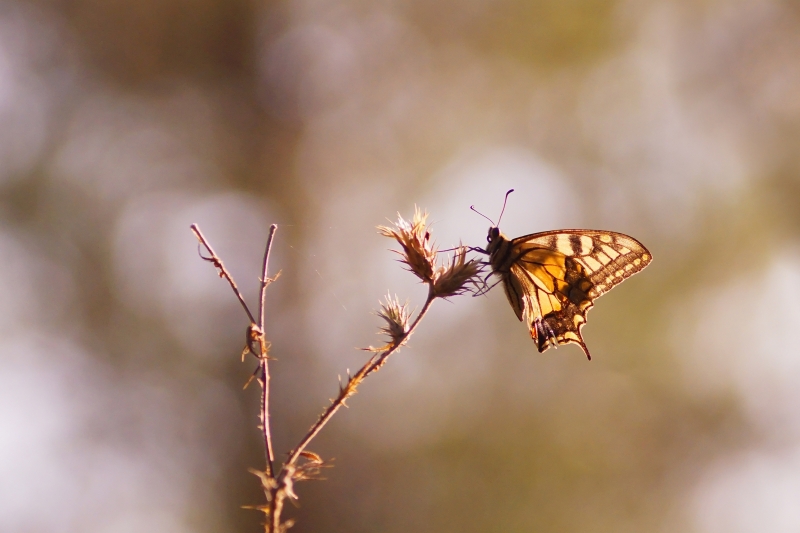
(552, 278)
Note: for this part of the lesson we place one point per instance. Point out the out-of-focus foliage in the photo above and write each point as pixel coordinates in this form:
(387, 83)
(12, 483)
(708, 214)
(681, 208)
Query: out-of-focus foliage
(120, 383)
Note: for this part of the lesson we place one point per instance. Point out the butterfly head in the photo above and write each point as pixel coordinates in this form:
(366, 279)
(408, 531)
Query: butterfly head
(495, 240)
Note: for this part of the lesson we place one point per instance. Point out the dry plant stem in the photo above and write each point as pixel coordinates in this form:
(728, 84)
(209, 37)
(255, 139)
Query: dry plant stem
(374, 363)
(348, 390)
(278, 487)
(222, 270)
(263, 363)
(263, 360)
(265, 281)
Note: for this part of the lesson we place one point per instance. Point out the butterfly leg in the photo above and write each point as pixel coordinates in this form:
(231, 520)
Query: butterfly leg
(486, 287)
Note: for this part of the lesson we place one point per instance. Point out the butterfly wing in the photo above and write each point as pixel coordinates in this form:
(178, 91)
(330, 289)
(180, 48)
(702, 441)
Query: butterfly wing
(554, 277)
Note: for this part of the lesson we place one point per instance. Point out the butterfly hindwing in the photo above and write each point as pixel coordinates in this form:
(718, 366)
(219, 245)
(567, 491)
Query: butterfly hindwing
(552, 279)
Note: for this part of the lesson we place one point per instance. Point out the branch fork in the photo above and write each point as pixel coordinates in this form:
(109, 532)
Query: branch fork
(419, 254)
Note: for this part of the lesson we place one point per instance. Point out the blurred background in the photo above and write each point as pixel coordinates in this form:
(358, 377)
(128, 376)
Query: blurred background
(122, 122)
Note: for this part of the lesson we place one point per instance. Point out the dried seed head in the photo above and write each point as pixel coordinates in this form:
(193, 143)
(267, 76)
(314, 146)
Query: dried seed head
(419, 253)
(396, 317)
(453, 278)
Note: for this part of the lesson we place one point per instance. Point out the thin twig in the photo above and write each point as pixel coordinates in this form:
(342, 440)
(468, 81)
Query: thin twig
(223, 272)
(263, 363)
(372, 365)
(279, 492)
(265, 281)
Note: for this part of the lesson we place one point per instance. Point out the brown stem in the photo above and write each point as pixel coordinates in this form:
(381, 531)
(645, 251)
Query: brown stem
(372, 365)
(275, 510)
(263, 363)
(375, 362)
(265, 281)
(223, 272)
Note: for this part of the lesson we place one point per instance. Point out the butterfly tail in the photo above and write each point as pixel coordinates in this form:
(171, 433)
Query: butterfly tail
(549, 332)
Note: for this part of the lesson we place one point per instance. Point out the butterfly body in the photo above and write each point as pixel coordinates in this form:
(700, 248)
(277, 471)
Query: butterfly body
(552, 278)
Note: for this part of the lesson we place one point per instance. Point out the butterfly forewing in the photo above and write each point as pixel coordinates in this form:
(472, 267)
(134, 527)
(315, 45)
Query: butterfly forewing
(553, 278)
(606, 258)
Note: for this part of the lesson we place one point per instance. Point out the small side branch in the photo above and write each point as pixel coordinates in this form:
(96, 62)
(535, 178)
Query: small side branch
(374, 363)
(223, 272)
(283, 481)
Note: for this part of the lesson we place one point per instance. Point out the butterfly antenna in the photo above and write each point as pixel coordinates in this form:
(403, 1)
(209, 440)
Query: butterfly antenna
(481, 214)
(504, 206)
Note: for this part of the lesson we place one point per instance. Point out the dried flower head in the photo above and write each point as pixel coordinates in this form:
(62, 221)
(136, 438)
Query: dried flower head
(453, 278)
(396, 316)
(419, 253)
